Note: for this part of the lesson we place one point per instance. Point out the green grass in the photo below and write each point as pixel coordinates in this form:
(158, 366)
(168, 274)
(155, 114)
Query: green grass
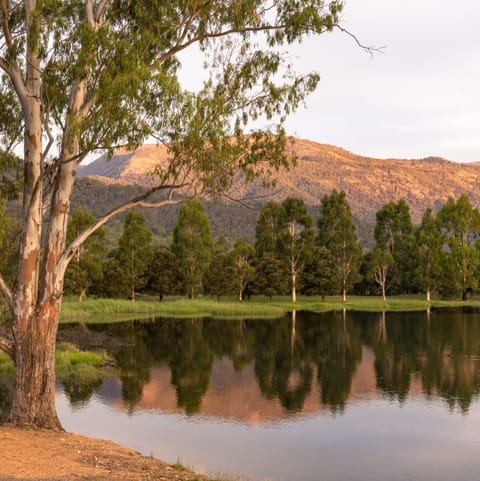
(6, 364)
(83, 367)
(71, 364)
(115, 310)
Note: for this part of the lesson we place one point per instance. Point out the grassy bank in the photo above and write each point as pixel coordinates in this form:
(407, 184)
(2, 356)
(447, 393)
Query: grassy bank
(112, 310)
(108, 310)
(71, 364)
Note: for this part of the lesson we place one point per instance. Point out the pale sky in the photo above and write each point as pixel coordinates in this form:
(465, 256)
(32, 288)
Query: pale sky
(419, 98)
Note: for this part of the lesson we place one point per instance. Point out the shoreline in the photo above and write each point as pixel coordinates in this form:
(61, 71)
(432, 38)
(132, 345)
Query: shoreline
(118, 310)
(37, 455)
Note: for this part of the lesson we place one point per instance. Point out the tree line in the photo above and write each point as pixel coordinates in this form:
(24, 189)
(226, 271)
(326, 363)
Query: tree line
(289, 256)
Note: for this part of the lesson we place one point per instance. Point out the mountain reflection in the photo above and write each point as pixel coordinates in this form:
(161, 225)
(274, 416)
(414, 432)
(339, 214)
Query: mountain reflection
(262, 370)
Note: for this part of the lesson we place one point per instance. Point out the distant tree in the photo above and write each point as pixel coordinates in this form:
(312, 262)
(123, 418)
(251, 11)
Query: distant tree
(295, 246)
(429, 242)
(268, 229)
(394, 232)
(135, 250)
(193, 245)
(163, 272)
(460, 222)
(320, 273)
(381, 261)
(336, 232)
(219, 279)
(243, 256)
(86, 267)
(271, 277)
(115, 283)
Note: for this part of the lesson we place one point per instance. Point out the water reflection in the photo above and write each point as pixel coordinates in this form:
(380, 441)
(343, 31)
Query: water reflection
(304, 362)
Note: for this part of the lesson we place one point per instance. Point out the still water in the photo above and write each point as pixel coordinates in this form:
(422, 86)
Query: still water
(311, 397)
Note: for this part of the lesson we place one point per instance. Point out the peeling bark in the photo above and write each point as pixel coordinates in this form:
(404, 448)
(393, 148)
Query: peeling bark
(34, 385)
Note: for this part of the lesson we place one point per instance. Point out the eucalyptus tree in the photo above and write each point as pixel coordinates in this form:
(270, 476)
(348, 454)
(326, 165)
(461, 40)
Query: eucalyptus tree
(135, 251)
(87, 265)
(429, 242)
(295, 245)
(87, 75)
(381, 262)
(268, 229)
(271, 277)
(163, 273)
(270, 272)
(393, 232)
(219, 279)
(336, 233)
(243, 256)
(193, 245)
(460, 222)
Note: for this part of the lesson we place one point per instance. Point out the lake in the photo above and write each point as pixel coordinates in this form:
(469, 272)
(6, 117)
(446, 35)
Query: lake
(309, 397)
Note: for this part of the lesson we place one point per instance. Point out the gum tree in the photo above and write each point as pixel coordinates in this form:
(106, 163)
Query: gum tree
(88, 76)
(336, 233)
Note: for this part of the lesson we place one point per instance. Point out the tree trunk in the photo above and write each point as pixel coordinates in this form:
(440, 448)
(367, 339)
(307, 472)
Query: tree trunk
(344, 293)
(464, 294)
(383, 292)
(34, 386)
(428, 295)
(82, 294)
(294, 288)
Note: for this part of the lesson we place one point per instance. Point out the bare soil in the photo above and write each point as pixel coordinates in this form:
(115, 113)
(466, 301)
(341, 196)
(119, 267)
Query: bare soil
(58, 456)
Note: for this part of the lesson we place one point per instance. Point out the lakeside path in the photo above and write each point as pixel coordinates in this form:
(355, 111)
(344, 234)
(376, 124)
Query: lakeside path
(59, 456)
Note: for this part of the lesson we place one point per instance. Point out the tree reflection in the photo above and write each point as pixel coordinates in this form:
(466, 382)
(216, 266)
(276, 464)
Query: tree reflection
(441, 349)
(291, 355)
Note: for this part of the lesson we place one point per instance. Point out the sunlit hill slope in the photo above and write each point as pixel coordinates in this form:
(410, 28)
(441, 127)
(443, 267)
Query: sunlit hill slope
(368, 182)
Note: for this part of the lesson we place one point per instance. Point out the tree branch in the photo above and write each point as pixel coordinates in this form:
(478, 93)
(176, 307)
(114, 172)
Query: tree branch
(7, 293)
(369, 49)
(212, 35)
(5, 26)
(8, 347)
(139, 201)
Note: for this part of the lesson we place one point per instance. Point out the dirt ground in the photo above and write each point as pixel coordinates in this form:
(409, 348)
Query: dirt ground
(52, 456)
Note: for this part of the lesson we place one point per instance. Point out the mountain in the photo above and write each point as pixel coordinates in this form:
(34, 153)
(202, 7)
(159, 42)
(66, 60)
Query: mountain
(368, 182)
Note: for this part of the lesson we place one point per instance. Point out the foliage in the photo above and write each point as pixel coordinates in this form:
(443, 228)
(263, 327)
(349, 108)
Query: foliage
(9, 237)
(284, 237)
(164, 276)
(243, 256)
(296, 240)
(268, 229)
(460, 222)
(336, 233)
(86, 267)
(219, 279)
(271, 277)
(114, 282)
(192, 244)
(394, 232)
(381, 262)
(135, 250)
(429, 243)
(320, 276)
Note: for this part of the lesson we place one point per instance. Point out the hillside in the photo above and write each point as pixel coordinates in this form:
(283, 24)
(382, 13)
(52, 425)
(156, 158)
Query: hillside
(368, 182)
